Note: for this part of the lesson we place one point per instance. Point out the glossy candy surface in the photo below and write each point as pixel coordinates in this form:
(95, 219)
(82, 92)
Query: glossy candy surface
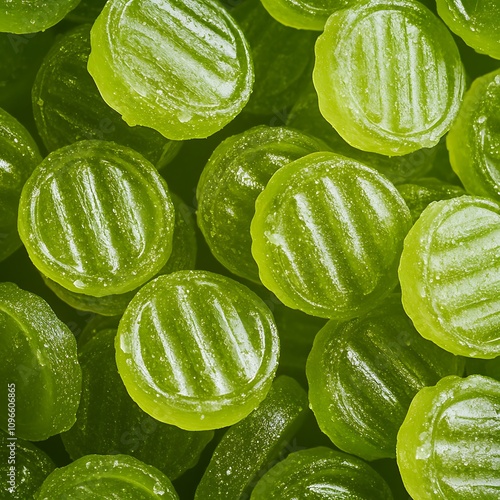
(251, 446)
(236, 173)
(106, 476)
(384, 106)
(197, 350)
(449, 276)
(180, 67)
(39, 367)
(321, 473)
(447, 445)
(327, 235)
(474, 139)
(364, 373)
(97, 218)
(19, 156)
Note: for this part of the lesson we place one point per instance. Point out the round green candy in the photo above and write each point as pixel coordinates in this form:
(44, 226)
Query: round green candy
(327, 235)
(448, 444)
(68, 107)
(109, 422)
(197, 350)
(183, 256)
(363, 374)
(321, 473)
(107, 476)
(39, 369)
(475, 22)
(30, 16)
(182, 68)
(23, 467)
(304, 14)
(450, 280)
(18, 158)
(97, 218)
(236, 173)
(474, 139)
(251, 447)
(421, 192)
(388, 76)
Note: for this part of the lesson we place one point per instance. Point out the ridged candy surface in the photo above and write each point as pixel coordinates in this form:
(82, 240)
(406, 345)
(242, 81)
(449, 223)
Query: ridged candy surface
(236, 173)
(450, 280)
(181, 67)
(197, 350)
(474, 139)
(363, 374)
(321, 473)
(327, 235)
(448, 443)
(39, 368)
(388, 76)
(107, 476)
(97, 218)
(68, 107)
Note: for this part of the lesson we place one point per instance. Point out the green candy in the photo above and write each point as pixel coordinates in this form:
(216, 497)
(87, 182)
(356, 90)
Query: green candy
(182, 68)
(197, 350)
(97, 218)
(183, 256)
(236, 173)
(23, 467)
(107, 476)
(475, 22)
(282, 58)
(321, 473)
(250, 447)
(422, 192)
(448, 443)
(30, 16)
(109, 422)
(327, 235)
(360, 59)
(18, 158)
(450, 280)
(68, 107)
(474, 139)
(364, 373)
(39, 367)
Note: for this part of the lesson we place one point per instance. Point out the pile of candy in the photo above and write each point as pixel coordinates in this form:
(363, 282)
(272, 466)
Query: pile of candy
(250, 249)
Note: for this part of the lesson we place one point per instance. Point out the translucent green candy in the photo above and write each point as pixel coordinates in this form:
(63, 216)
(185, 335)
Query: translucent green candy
(197, 350)
(475, 22)
(109, 422)
(364, 373)
(450, 280)
(304, 14)
(39, 367)
(321, 473)
(182, 68)
(236, 173)
(30, 16)
(249, 448)
(23, 467)
(448, 443)
(422, 192)
(388, 76)
(18, 158)
(107, 476)
(282, 57)
(327, 235)
(68, 107)
(97, 218)
(474, 139)
(183, 256)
